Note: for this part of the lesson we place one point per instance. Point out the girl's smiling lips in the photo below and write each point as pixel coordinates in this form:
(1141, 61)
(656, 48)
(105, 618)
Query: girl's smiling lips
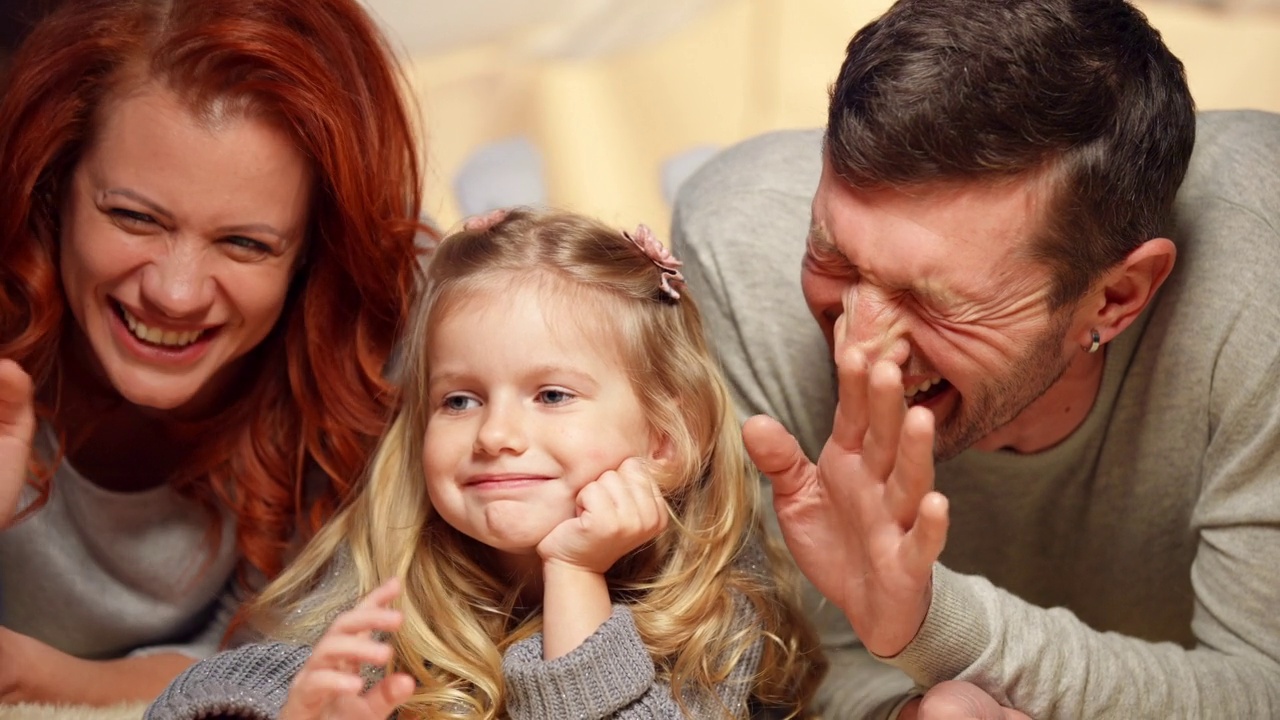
(504, 480)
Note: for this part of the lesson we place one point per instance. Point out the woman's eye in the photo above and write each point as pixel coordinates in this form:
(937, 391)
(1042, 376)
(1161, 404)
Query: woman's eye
(132, 217)
(554, 397)
(245, 243)
(459, 403)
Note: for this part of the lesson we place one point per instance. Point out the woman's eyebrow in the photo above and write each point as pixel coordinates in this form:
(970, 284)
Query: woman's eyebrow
(141, 200)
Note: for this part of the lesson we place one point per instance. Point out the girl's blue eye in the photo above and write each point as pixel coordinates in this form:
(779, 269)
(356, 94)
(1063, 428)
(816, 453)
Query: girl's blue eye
(555, 397)
(459, 403)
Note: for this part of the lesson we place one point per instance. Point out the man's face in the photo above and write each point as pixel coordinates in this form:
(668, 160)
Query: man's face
(940, 281)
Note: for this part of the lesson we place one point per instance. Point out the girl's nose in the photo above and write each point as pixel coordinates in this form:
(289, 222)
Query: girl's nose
(502, 430)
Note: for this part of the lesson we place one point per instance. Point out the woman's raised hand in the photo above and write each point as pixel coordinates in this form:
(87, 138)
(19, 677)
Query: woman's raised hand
(17, 428)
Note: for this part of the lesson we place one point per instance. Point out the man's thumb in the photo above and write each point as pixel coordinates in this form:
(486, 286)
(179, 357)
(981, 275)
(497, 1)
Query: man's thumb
(777, 454)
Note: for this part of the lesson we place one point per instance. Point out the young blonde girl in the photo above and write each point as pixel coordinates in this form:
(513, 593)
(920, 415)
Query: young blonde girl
(561, 514)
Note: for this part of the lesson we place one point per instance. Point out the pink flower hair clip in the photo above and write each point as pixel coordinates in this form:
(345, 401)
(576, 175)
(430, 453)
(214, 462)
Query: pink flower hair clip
(659, 255)
(485, 222)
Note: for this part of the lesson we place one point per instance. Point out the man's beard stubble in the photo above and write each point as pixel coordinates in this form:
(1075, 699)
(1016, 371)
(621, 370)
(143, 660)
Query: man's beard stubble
(998, 403)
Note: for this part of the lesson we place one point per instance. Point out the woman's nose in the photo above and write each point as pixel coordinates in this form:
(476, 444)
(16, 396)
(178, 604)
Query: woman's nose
(178, 282)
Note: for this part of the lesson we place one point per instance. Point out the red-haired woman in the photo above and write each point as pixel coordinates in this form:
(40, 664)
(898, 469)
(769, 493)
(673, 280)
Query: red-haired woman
(206, 251)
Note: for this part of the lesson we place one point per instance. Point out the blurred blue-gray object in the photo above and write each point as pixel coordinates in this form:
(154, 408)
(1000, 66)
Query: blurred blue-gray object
(501, 174)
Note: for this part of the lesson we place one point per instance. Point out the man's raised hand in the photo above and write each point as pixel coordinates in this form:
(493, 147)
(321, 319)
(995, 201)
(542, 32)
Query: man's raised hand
(863, 524)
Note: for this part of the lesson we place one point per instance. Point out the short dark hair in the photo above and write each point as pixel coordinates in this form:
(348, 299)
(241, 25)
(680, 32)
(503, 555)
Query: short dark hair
(958, 90)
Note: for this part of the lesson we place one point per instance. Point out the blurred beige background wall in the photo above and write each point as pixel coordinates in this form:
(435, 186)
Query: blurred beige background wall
(592, 99)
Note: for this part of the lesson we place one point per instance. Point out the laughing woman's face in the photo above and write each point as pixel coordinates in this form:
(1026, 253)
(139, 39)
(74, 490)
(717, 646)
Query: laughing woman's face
(179, 238)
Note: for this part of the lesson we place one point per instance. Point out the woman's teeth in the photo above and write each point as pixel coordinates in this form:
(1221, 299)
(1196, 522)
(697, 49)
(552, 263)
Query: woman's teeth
(155, 336)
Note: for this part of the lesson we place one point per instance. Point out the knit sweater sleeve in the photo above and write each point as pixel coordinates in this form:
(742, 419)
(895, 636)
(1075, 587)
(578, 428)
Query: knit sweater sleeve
(612, 676)
(249, 682)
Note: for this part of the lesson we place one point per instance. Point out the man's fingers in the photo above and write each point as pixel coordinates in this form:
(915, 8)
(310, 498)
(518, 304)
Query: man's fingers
(777, 454)
(850, 425)
(886, 410)
(913, 470)
(383, 698)
(928, 535)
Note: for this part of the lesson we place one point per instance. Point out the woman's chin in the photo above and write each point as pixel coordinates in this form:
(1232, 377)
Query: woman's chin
(176, 397)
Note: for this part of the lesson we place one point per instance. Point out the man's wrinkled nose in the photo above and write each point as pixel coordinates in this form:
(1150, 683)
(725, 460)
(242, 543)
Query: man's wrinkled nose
(874, 324)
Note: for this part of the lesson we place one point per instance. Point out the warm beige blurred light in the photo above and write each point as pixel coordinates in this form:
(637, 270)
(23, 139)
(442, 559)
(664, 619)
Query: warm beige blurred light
(609, 97)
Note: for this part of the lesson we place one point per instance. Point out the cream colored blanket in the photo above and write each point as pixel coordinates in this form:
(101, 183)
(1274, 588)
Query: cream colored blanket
(27, 711)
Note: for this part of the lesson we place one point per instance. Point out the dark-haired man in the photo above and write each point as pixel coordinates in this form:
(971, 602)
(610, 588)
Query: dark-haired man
(993, 216)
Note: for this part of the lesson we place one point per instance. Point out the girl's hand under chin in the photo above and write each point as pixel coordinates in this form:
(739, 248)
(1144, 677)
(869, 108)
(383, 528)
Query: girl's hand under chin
(617, 513)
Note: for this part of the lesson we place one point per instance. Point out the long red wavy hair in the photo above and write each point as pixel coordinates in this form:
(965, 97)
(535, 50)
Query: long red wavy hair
(324, 72)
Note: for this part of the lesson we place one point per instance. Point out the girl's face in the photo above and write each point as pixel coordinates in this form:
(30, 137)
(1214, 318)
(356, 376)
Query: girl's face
(525, 408)
(179, 239)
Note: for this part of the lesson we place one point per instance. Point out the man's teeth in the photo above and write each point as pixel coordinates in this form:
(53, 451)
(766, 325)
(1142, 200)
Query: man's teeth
(923, 386)
(156, 336)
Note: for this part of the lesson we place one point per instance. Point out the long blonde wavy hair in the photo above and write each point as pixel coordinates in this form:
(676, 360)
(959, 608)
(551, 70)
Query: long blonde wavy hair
(461, 612)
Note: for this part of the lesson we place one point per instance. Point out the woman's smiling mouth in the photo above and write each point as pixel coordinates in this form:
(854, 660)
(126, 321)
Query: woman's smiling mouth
(171, 339)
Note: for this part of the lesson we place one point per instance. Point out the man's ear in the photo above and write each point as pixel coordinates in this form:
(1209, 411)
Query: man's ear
(1124, 291)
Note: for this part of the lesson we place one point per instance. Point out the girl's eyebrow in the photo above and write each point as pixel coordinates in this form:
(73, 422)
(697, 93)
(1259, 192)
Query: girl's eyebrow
(576, 376)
